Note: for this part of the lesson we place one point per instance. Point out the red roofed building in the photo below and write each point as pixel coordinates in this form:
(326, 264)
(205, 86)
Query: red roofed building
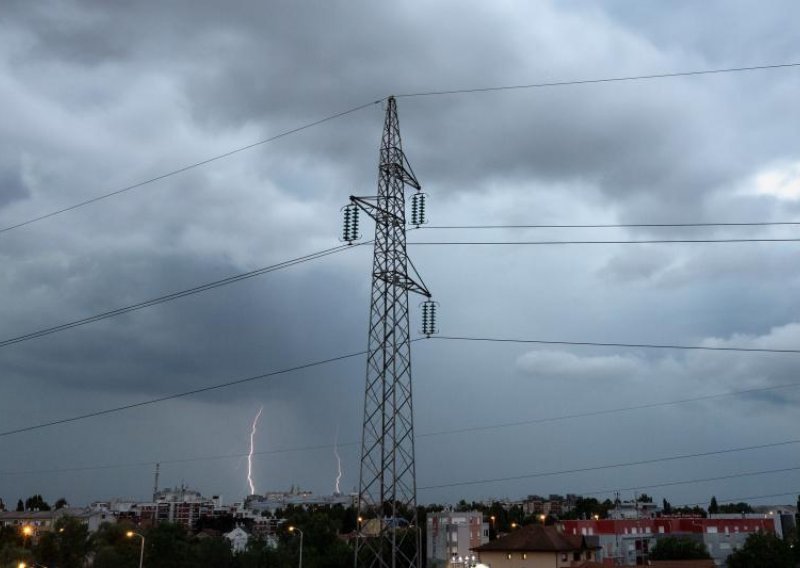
(628, 542)
(536, 546)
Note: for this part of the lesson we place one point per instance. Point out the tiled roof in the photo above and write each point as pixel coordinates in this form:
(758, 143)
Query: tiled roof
(535, 538)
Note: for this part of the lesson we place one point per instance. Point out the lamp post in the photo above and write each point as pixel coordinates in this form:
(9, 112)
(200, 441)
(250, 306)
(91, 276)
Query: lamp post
(295, 529)
(131, 534)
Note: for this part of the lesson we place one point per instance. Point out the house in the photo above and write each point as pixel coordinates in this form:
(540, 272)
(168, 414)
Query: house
(238, 538)
(44, 521)
(536, 546)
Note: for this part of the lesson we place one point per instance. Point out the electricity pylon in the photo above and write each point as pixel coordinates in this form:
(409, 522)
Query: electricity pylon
(389, 536)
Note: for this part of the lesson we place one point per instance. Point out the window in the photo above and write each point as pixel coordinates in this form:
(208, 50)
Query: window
(508, 556)
(524, 555)
(564, 557)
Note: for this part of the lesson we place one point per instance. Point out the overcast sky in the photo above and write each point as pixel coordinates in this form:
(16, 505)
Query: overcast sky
(100, 95)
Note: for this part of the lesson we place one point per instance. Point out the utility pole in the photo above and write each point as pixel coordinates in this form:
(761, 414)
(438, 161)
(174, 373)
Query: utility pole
(389, 536)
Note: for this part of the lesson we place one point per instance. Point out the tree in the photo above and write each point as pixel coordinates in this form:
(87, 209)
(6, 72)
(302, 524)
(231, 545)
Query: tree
(678, 548)
(36, 503)
(760, 550)
(61, 504)
(20, 506)
(113, 549)
(713, 507)
(666, 507)
(644, 498)
(735, 508)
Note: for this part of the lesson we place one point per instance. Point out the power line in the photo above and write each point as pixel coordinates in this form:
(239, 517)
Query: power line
(632, 345)
(614, 242)
(189, 167)
(618, 225)
(177, 295)
(178, 395)
(341, 357)
(422, 435)
(612, 466)
(371, 103)
(603, 80)
(693, 481)
(594, 413)
(740, 499)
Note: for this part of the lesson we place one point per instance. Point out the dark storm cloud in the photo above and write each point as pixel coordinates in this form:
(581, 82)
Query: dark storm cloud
(102, 95)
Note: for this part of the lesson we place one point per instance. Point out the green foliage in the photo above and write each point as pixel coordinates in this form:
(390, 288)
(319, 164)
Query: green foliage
(666, 506)
(735, 508)
(761, 550)
(588, 507)
(36, 503)
(678, 548)
(67, 545)
(713, 507)
(11, 555)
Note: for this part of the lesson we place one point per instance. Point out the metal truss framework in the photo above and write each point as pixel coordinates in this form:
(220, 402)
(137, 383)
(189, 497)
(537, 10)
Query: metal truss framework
(389, 536)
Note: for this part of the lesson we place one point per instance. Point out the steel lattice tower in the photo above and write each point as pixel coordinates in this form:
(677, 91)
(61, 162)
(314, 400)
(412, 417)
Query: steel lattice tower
(389, 536)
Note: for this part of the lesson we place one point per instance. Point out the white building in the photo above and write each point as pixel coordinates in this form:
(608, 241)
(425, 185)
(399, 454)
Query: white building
(238, 538)
(451, 536)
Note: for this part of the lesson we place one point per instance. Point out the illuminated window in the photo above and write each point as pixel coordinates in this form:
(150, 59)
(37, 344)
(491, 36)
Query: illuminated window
(524, 555)
(508, 556)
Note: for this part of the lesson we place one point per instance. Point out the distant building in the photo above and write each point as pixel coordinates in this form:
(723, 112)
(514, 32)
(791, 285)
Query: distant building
(634, 510)
(43, 521)
(452, 535)
(538, 546)
(274, 500)
(628, 542)
(179, 505)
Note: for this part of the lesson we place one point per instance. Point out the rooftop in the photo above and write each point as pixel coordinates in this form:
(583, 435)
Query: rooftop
(535, 538)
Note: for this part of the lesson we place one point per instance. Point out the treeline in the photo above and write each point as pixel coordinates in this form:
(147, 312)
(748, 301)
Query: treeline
(69, 545)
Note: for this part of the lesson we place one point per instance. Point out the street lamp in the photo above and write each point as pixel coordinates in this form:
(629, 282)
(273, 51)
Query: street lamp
(131, 534)
(295, 529)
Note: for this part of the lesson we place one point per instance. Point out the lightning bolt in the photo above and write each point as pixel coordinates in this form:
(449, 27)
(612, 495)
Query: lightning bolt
(250, 455)
(338, 459)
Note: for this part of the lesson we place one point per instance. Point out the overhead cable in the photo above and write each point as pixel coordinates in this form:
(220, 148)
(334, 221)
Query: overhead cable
(404, 95)
(618, 225)
(188, 167)
(490, 89)
(468, 429)
(608, 344)
(178, 395)
(614, 242)
(692, 481)
(177, 295)
(678, 457)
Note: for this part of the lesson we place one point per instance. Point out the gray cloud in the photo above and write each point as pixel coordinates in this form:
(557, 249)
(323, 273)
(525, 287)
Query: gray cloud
(101, 95)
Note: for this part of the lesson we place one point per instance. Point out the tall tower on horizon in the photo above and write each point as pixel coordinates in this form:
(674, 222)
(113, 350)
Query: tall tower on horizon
(389, 534)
